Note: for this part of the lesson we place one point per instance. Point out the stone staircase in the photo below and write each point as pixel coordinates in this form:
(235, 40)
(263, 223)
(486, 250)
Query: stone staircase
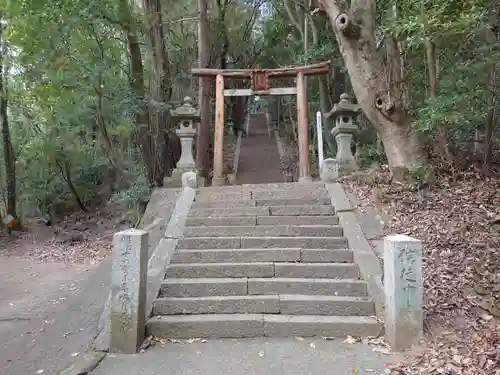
(263, 260)
(259, 157)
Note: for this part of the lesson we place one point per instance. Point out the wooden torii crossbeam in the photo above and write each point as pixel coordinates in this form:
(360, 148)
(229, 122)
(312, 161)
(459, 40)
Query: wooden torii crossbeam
(260, 86)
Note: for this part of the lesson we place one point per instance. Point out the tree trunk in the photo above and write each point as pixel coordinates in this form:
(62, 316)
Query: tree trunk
(222, 8)
(325, 103)
(8, 150)
(442, 146)
(161, 89)
(203, 139)
(65, 170)
(491, 120)
(142, 139)
(378, 96)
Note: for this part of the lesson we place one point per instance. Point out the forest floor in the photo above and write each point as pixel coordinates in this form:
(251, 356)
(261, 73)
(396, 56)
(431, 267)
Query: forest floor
(53, 285)
(458, 221)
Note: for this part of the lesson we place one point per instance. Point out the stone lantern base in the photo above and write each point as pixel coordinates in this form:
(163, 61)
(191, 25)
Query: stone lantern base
(175, 180)
(332, 170)
(216, 182)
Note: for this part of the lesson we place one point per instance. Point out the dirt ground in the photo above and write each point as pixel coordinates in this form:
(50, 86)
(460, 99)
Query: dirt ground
(53, 285)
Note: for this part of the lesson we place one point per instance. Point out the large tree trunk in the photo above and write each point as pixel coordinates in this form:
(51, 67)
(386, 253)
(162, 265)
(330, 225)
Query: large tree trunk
(380, 97)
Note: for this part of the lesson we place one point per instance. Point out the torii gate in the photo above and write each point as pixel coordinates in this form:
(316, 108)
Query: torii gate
(260, 86)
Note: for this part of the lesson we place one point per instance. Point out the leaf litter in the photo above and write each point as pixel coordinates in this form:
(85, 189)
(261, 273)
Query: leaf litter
(458, 221)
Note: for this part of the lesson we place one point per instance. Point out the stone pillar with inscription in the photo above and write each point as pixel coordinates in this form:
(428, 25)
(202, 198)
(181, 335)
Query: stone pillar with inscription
(343, 114)
(128, 291)
(329, 170)
(188, 118)
(403, 286)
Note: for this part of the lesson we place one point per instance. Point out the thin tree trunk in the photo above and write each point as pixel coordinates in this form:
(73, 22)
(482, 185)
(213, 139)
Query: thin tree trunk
(222, 9)
(65, 170)
(203, 139)
(324, 97)
(8, 150)
(492, 101)
(161, 89)
(142, 139)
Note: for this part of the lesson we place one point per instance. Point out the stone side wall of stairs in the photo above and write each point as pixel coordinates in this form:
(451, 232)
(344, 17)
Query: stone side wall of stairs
(263, 260)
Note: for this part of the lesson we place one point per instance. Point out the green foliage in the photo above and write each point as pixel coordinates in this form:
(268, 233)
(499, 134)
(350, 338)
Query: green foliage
(369, 155)
(132, 200)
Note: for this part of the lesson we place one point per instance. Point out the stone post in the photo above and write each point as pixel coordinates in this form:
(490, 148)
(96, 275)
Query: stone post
(343, 114)
(128, 291)
(188, 118)
(403, 288)
(189, 179)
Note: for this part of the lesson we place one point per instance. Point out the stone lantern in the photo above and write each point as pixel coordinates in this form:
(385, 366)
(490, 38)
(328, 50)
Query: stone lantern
(188, 117)
(343, 114)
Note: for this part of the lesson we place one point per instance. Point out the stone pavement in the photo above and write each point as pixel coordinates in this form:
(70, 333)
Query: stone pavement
(262, 356)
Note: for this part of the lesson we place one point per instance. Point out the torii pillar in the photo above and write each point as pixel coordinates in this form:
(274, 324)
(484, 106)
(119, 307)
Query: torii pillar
(302, 119)
(218, 178)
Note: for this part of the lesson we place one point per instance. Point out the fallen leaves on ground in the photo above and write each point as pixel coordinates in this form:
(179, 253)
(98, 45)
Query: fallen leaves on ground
(163, 342)
(458, 220)
(83, 237)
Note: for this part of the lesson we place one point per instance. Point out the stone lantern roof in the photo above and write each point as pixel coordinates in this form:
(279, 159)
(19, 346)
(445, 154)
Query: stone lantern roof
(186, 111)
(344, 108)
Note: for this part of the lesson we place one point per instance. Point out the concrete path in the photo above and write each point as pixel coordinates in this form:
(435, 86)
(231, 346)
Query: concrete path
(259, 158)
(48, 313)
(251, 357)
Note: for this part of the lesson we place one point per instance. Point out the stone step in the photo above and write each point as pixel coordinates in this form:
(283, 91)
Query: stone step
(258, 325)
(290, 194)
(296, 304)
(293, 201)
(204, 196)
(261, 220)
(224, 202)
(236, 255)
(246, 188)
(294, 242)
(285, 285)
(225, 270)
(263, 269)
(221, 221)
(288, 304)
(284, 186)
(217, 305)
(305, 210)
(297, 220)
(326, 256)
(203, 287)
(193, 287)
(265, 231)
(310, 210)
(262, 242)
(231, 212)
(317, 270)
(262, 255)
